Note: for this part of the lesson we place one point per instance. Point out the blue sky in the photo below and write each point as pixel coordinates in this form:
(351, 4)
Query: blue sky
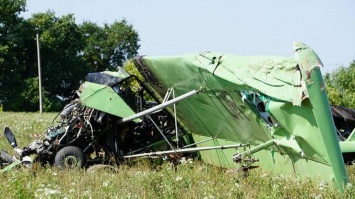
(252, 27)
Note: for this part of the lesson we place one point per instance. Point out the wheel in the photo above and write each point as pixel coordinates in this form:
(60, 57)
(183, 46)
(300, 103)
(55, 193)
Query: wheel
(6, 158)
(70, 157)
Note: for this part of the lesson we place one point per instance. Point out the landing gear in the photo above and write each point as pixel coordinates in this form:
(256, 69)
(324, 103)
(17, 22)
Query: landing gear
(70, 157)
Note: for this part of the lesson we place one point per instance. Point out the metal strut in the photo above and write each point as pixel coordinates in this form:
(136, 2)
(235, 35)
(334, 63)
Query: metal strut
(189, 150)
(158, 107)
(162, 134)
(239, 156)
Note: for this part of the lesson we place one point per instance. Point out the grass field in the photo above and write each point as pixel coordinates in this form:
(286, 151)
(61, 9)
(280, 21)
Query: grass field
(144, 179)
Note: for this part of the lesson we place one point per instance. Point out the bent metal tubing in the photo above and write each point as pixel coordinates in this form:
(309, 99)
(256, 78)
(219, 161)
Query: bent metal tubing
(239, 156)
(10, 166)
(188, 150)
(160, 106)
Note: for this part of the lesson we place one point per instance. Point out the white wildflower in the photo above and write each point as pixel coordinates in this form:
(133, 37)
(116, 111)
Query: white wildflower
(179, 178)
(105, 184)
(322, 185)
(183, 160)
(349, 185)
(46, 192)
(51, 191)
(210, 196)
(237, 185)
(87, 193)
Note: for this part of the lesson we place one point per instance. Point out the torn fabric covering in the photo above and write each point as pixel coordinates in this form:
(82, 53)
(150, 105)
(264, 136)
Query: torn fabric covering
(344, 113)
(107, 78)
(103, 79)
(252, 100)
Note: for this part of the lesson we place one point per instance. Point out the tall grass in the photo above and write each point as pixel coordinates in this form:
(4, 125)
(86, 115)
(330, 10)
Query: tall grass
(25, 126)
(145, 179)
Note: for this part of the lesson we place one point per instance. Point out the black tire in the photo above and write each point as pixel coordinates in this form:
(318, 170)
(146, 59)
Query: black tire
(6, 158)
(70, 157)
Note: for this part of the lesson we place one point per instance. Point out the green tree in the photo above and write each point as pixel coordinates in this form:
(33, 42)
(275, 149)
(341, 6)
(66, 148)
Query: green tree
(11, 44)
(61, 44)
(109, 46)
(341, 86)
(68, 52)
(94, 38)
(62, 64)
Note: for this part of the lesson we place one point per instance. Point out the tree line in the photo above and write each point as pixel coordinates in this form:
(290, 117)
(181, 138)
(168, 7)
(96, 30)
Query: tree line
(68, 52)
(340, 86)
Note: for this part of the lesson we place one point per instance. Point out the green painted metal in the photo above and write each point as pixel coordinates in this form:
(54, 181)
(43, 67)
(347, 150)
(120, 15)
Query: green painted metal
(348, 145)
(105, 99)
(229, 109)
(10, 167)
(310, 67)
(351, 136)
(239, 156)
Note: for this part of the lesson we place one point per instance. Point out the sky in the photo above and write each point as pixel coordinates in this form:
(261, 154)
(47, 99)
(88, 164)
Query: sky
(253, 27)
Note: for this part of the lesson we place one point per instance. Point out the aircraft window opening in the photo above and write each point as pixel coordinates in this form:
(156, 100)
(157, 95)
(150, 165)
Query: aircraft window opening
(261, 107)
(257, 101)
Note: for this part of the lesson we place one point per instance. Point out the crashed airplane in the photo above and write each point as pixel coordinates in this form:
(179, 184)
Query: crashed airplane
(234, 111)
